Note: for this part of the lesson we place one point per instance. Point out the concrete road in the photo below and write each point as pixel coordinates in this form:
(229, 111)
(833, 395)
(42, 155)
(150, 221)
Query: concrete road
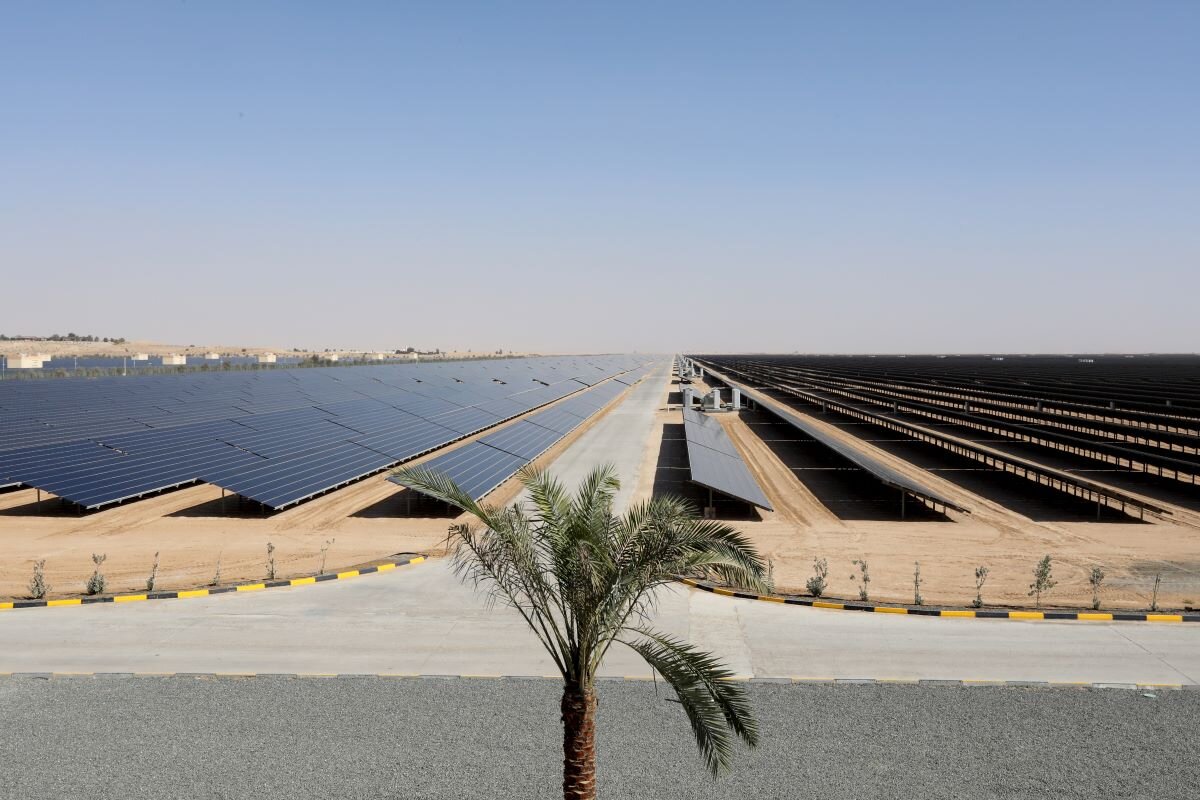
(419, 739)
(618, 438)
(421, 620)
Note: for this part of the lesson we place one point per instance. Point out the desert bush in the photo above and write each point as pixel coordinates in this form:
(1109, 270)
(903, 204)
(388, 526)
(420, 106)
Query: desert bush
(1095, 578)
(918, 600)
(981, 574)
(1042, 580)
(864, 576)
(38, 588)
(270, 561)
(96, 583)
(153, 574)
(1154, 596)
(817, 584)
(217, 575)
(324, 553)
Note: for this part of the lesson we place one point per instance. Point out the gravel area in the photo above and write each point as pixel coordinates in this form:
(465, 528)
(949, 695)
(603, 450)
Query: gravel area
(264, 737)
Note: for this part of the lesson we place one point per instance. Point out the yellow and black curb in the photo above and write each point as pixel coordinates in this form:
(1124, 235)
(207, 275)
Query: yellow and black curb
(968, 613)
(786, 680)
(186, 594)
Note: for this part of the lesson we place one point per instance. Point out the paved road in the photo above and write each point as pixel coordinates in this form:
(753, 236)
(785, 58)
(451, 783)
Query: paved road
(421, 620)
(421, 739)
(619, 438)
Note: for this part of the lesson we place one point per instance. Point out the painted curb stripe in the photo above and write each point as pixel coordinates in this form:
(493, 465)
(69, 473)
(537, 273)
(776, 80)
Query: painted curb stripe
(966, 613)
(187, 593)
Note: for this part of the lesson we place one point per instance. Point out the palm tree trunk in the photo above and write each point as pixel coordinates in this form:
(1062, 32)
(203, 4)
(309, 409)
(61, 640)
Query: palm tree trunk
(579, 742)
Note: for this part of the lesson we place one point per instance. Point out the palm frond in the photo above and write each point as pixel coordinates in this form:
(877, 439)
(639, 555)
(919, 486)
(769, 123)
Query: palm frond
(717, 707)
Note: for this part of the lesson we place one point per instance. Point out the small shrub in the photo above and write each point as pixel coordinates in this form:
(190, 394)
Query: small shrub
(1095, 578)
(918, 600)
(324, 553)
(1154, 596)
(819, 581)
(864, 593)
(217, 575)
(270, 561)
(1042, 580)
(38, 588)
(96, 583)
(981, 574)
(153, 574)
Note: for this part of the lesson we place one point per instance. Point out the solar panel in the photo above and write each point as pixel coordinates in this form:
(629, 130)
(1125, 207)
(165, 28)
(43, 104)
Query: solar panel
(476, 468)
(716, 464)
(466, 420)
(523, 439)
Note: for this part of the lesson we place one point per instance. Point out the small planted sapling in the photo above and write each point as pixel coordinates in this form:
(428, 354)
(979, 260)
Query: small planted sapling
(1095, 578)
(981, 575)
(1043, 580)
(864, 592)
(96, 583)
(38, 588)
(820, 580)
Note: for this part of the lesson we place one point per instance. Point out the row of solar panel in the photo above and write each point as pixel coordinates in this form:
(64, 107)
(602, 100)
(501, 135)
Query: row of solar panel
(481, 466)
(278, 458)
(424, 398)
(44, 412)
(715, 463)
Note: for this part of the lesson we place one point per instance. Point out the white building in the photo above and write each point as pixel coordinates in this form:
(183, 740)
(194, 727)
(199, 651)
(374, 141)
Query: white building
(25, 361)
(266, 358)
(174, 360)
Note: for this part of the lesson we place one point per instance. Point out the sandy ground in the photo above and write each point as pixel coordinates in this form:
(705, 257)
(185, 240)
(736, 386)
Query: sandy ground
(801, 528)
(364, 522)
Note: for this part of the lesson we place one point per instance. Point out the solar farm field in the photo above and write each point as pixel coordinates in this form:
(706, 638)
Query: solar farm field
(966, 461)
(1124, 432)
(209, 467)
(276, 438)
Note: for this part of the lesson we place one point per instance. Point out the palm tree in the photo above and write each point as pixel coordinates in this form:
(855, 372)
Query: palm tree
(583, 578)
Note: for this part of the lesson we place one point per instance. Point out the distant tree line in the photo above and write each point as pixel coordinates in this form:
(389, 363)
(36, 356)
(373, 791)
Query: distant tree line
(58, 337)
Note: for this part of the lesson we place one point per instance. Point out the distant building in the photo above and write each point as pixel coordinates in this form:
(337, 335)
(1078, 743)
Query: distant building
(266, 358)
(24, 361)
(174, 360)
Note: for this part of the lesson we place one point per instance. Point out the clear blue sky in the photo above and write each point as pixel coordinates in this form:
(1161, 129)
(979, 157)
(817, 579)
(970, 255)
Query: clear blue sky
(891, 176)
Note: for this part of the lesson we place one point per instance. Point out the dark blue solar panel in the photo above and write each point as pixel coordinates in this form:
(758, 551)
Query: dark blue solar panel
(556, 419)
(466, 420)
(477, 468)
(280, 485)
(716, 463)
(409, 440)
(522, 439)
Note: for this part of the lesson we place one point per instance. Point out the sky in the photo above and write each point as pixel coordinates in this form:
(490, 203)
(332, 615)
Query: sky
(593, 177)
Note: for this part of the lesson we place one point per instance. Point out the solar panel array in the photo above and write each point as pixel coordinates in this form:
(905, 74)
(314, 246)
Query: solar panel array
(481, 466)
(874, 466)
(277, 437)
(715, 463)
